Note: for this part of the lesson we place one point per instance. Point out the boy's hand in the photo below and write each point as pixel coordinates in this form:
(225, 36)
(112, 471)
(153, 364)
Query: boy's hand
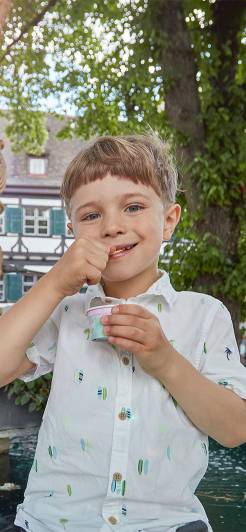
(83, 262)
(135, 329)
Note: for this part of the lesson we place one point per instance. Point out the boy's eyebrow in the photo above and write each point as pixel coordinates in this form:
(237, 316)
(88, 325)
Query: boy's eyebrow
(124, 196)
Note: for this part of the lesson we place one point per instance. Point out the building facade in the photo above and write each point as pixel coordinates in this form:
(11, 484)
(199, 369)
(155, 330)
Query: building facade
(33, 225)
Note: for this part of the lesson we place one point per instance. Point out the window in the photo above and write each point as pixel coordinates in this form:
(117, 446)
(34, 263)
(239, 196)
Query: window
(29, 279)
(2, 296)
(2, 224)
(36, 221)
(37, 166)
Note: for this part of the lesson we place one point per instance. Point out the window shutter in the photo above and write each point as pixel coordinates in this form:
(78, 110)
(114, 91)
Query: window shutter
(13, 220)
(58, 226)
(13, 286)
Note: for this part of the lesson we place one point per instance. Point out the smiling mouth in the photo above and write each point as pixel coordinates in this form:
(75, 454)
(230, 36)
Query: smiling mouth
(122, 249)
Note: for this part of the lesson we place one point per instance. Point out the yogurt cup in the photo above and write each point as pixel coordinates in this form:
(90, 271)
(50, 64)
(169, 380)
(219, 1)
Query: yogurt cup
(96, 327)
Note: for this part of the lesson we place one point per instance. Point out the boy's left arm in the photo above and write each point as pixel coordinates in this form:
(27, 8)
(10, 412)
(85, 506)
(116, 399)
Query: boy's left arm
(215, 410)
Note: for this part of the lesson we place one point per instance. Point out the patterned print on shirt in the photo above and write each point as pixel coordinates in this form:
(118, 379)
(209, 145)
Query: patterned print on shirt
(78, 375)
(159, 307)
(63, 522)
(228, 352)
(50, 494)
(66, 308)
(85, 445)
(69, 489)
(168, 452)
(225, 383)
(119, 487)
(204, 447)
(87, 333)
(143, 466)
(124, 510)
(102, 392)
(27, 524)
(126, 412)
(52, 452)
(205, 348)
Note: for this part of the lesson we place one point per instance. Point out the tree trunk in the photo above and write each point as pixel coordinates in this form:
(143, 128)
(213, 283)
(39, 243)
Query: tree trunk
(5, 8)
(182, 106)
(182, 103)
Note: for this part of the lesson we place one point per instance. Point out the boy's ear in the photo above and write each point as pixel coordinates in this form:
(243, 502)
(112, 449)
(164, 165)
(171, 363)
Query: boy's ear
(171, 219)
(70, 227)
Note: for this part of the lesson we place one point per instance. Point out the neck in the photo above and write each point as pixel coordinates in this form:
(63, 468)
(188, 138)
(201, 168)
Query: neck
(130, 287)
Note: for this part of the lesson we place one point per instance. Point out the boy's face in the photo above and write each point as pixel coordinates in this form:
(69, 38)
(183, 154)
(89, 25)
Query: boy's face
(119, 212)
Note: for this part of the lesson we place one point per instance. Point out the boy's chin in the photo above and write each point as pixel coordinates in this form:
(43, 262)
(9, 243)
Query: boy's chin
(117, 278)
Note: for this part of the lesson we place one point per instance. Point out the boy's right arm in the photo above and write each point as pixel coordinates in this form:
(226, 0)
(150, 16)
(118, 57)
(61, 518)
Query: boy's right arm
(19, 325)
(83, 261)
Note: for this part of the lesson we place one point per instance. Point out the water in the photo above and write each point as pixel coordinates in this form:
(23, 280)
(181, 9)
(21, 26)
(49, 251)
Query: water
(222, 491)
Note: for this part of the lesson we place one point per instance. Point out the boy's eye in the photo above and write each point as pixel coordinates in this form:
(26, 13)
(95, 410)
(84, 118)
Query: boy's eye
(90, 216)
(135, 207)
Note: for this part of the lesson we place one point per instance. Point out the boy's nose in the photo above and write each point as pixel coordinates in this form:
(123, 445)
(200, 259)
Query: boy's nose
(113, 230)
(112, 227)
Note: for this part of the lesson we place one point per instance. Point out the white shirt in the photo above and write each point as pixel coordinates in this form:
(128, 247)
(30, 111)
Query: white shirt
(115, 452)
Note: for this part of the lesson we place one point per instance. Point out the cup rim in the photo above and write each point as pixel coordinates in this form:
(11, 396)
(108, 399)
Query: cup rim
(99, 306)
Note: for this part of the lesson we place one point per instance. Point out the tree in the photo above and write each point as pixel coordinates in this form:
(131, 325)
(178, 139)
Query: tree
(4, 12)
(120, 66)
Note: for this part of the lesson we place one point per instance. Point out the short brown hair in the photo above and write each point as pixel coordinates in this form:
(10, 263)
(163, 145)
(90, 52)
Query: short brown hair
(141, 158)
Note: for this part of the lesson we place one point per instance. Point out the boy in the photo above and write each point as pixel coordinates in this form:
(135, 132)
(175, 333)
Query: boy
(123, 443)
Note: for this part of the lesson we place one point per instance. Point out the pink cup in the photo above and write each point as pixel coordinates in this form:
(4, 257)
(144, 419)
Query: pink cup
(96, 327)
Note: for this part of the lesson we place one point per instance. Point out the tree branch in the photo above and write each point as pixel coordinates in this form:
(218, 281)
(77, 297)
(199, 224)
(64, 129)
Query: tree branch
(31, 24)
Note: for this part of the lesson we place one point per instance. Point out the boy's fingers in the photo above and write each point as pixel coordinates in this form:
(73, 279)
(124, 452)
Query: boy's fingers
(126, 333)
(135, 310)
(125, 320)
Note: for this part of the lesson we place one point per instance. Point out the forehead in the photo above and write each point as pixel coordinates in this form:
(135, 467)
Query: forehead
(108, 189)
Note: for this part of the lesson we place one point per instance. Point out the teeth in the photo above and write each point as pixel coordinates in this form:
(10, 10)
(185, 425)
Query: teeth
(121, 249)
(117, 251)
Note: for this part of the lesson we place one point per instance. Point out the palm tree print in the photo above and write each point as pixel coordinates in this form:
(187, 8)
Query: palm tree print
(63, 522)
(228, 353)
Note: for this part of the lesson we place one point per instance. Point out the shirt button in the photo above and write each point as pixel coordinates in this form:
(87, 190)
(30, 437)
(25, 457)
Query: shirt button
(122, 415)
(117, 476)
(112, 520)
(125, 361)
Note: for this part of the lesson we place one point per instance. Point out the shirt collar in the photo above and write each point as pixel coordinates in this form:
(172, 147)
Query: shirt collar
(161, 288)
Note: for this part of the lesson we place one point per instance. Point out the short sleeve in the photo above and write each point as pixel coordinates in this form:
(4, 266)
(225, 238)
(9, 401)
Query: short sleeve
(220, 360)
(42, 350)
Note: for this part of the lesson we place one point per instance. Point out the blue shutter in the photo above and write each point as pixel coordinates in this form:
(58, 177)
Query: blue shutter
(58, 226)
(13, 219)
(13, 286)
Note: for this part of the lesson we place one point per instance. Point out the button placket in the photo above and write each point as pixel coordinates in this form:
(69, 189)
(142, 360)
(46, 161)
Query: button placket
(120, 445)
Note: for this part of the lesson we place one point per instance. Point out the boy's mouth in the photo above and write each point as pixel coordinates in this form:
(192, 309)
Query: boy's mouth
(122, 249)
